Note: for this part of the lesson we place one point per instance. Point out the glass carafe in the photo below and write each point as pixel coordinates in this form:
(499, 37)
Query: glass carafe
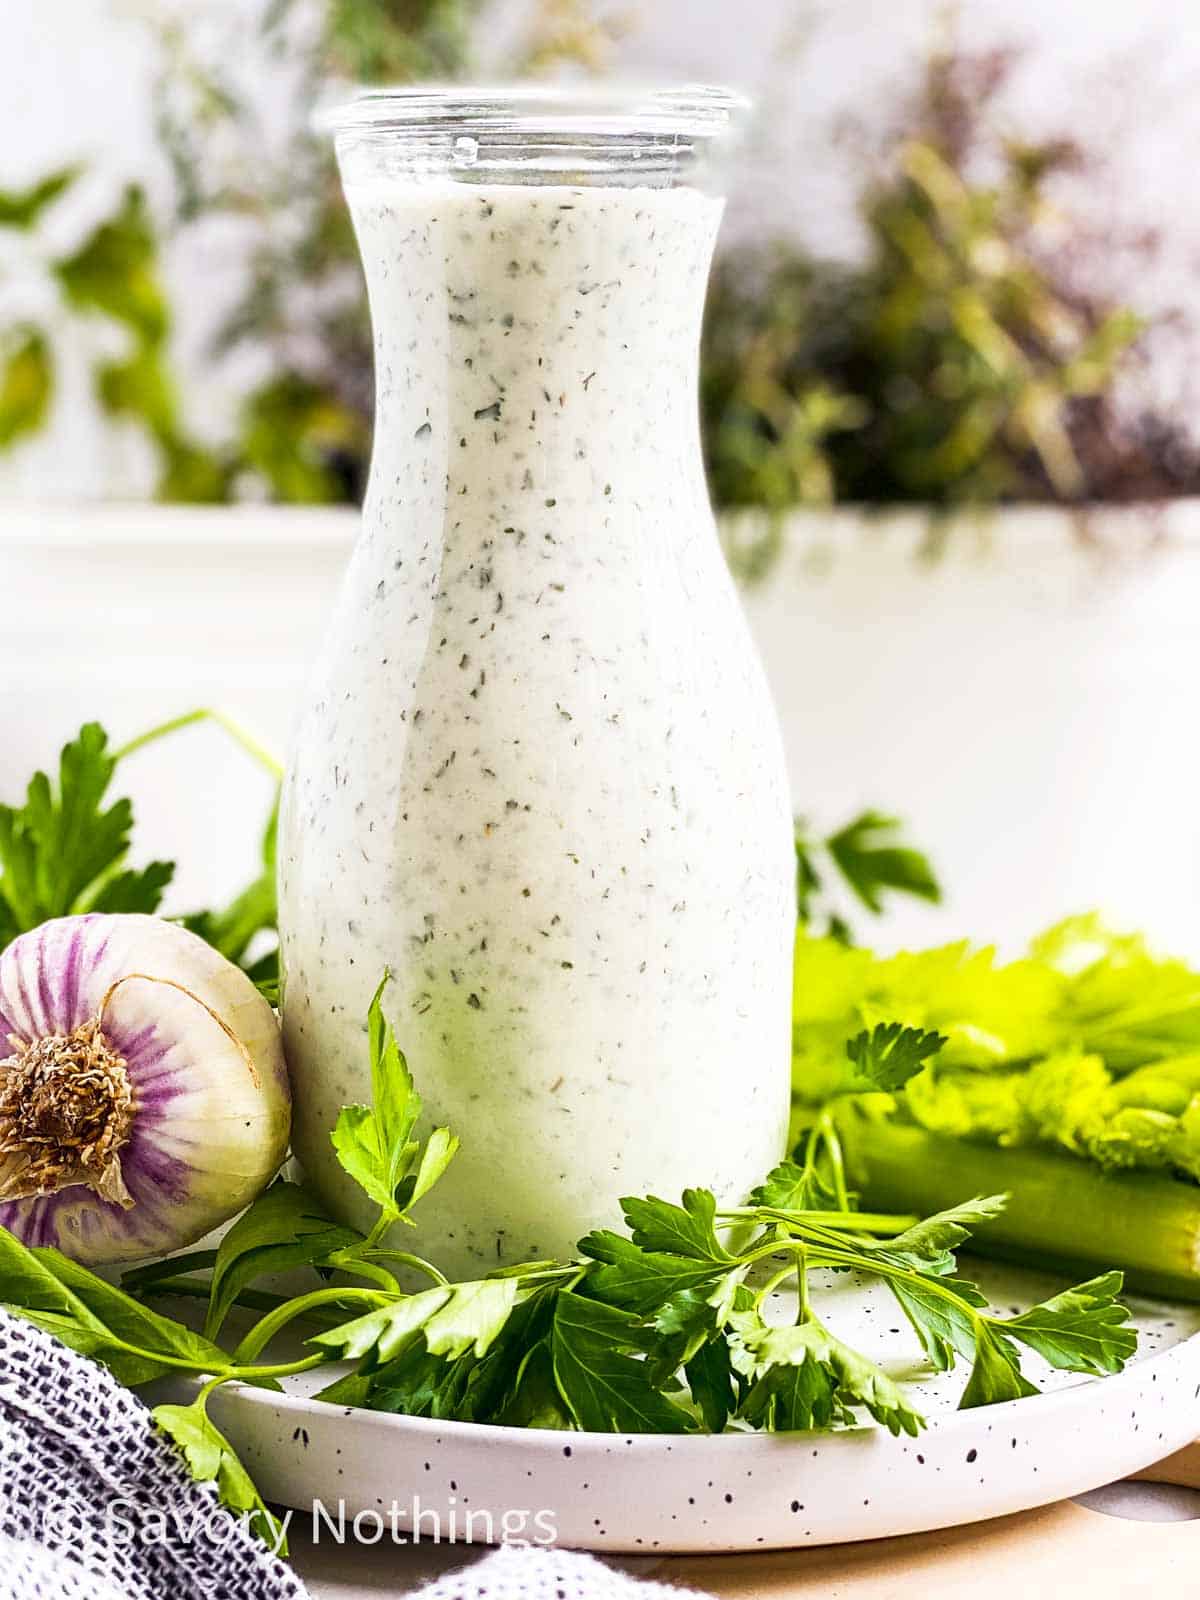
(538, 777)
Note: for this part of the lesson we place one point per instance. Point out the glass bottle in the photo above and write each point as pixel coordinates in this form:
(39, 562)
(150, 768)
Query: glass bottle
(539, 777)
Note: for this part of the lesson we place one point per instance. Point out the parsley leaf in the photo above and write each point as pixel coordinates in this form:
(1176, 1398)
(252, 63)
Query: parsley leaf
(996, 1374)
(941, 1316)
(514, 1384)
(890, 1054)
(804, 1377)
(596, 1352)
(454, 1318)
(286, 1227)
(212, 1459)
(873, 861)
(638, 1279)
(374, 1143)
(710, 1378)
(440, 1150)
(472, 1318)
(380, 1335)
(62, 851)
(929, 1244)
(789, 1187)
(1084, 1329)
(685, 1230)
(686, 1321)
(505, 1376)
(533, 1400)
(794, 1397)
(97, 1319)
(869, 858)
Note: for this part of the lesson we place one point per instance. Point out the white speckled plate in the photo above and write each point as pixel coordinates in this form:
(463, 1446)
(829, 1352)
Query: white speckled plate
(738, 1491)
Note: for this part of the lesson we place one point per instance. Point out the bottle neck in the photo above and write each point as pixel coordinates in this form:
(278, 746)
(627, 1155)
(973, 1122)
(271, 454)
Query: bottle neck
(532, 319)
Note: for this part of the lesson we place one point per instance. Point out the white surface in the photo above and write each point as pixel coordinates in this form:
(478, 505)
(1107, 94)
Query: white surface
(133, 614)
(1019, 695)
(642, 1494)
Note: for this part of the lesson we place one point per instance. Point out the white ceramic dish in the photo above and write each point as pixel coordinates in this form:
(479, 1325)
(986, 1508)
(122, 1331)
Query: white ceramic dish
(737, 1491)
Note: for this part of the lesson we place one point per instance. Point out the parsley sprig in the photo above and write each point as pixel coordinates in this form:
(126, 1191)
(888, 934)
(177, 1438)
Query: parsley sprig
(670, 1326)
(65, 850)
(865, 862)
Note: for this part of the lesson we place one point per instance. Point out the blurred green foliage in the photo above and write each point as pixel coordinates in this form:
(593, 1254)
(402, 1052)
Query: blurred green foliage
(959, 363)
(26, 382)
(865, 863)
(304, 433)
(393, 41)
(114, 276)
(22, 209)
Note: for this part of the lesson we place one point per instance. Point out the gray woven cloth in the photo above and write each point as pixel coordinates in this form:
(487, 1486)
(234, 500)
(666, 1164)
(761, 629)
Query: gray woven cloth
(95, 1504)
(520, 1573)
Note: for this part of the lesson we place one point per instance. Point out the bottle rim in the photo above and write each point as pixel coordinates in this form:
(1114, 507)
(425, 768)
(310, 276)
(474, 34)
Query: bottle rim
(535, 110)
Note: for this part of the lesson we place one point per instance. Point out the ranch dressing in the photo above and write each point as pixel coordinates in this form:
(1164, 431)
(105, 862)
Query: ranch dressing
(539, 776)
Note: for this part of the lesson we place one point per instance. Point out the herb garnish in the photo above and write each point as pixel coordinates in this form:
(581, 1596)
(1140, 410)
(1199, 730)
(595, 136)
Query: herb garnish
(665, 1328)
(668, 1326)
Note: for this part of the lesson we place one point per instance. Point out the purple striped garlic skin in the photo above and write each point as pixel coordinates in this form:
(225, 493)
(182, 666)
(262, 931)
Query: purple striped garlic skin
(144, 1097)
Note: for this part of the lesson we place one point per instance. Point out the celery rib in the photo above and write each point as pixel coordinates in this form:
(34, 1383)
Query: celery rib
(1063, 1214)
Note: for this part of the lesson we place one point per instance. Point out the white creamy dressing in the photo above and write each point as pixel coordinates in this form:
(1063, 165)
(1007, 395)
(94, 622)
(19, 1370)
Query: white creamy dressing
(539, 777)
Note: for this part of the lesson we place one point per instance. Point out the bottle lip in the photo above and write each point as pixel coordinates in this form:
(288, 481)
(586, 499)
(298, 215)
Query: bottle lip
(572, 111)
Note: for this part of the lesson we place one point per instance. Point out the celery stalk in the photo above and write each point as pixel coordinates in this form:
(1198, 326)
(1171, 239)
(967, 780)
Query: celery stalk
(1063, 1213)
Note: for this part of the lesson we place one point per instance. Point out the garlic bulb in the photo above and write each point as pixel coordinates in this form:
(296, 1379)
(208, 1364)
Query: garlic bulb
(144, 1097)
